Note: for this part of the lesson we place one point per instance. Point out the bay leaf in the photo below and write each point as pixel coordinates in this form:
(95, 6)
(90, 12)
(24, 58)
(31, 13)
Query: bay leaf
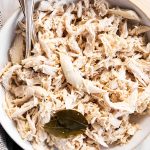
(66, 123)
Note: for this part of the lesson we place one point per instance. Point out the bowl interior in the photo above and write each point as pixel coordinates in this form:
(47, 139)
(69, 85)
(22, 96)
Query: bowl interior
(6, 37)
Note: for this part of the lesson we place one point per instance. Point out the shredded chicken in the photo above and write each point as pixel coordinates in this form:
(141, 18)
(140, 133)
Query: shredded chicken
(139, 30)
(89, 58)
(128, 14)
(17, 50)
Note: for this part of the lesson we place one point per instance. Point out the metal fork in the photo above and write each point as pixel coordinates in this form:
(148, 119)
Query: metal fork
(28, 8)
(34, 36)
(28, 5)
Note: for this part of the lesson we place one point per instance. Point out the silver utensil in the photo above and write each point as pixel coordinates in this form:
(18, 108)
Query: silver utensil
(33, 36)
(28, 5)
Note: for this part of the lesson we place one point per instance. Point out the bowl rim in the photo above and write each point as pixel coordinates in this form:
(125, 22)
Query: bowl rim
(16, 13)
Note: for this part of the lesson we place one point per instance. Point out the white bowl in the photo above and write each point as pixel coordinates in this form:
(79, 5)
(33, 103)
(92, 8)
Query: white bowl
(6, 37)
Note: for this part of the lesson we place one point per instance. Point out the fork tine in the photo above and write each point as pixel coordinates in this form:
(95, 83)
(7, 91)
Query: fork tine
(29, 16)
(34, 37)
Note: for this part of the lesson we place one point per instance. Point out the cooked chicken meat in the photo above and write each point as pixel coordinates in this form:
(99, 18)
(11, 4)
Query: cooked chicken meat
(89, 58)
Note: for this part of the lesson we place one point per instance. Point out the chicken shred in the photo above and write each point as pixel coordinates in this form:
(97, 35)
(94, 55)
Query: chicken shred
(17, 50)
(89, 58)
